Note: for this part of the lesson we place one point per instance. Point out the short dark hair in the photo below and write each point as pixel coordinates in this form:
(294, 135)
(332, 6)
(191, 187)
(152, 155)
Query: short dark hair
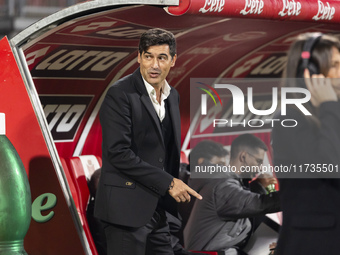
(207, 149)
(157, 36)
(246, 142)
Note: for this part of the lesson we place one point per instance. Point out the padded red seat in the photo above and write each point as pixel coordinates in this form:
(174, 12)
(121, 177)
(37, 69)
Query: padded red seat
(184, 158)
(81, 168)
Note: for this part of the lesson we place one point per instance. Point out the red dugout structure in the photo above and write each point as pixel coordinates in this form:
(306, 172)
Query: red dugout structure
(68, 60)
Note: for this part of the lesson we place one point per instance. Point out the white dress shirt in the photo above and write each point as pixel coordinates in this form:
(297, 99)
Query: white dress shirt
(159, 108)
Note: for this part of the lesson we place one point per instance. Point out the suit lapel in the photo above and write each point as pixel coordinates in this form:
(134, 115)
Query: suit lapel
(145, 98)
(175, 117)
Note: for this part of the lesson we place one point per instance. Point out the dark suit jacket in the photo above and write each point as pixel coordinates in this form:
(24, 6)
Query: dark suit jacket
(133, 179)
(310, 206)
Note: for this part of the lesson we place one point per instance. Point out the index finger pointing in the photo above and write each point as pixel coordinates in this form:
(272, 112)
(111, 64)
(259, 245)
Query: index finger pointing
(194, 193)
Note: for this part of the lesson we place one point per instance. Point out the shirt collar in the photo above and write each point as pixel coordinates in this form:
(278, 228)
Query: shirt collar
(151, 90)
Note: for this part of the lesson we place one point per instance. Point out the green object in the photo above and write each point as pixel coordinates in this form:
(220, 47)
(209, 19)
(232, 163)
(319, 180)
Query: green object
(15, 197)
(271, 188)
(44, 202)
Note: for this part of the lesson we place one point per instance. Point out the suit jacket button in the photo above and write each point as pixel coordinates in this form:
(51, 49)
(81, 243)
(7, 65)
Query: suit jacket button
(160, 160)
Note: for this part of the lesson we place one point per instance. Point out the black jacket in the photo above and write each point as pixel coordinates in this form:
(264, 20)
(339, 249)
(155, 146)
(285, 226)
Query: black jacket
(311, 202)
(133, 179)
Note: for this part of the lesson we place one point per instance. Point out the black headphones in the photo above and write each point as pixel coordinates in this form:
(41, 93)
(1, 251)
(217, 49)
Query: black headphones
(306, 55)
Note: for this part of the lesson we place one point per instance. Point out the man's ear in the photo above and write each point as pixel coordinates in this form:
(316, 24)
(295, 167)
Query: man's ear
(173, 60)
(200, 161)
(242, 156)
(139, 57)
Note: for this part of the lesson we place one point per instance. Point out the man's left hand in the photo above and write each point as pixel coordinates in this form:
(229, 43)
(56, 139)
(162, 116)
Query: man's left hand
(266, 180)
(181, 192)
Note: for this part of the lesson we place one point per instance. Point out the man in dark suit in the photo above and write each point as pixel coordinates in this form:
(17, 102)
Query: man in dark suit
(141, 149)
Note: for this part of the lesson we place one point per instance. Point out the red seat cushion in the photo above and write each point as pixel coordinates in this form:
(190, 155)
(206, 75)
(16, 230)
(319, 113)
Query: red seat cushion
(184, 158)
(81, 168)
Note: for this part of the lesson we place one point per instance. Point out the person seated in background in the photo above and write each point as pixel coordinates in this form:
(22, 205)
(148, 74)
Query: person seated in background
(97, 226)
(205, 151)
(221, 220)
